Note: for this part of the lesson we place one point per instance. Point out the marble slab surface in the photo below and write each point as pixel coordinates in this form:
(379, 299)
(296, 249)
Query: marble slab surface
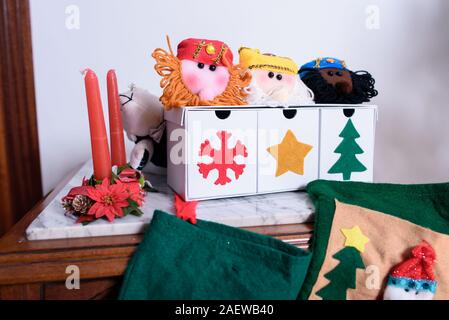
(260, 210)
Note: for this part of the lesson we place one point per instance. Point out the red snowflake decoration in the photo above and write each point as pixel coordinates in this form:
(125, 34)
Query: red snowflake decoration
(223, 159)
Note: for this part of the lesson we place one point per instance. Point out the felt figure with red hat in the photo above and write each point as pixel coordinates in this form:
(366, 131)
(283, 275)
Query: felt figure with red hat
(275, 80)
(201, 74)
(413, 279)
(332, 82)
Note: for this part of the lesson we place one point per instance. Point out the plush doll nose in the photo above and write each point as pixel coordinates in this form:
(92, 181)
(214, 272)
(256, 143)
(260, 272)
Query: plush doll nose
(343, 87)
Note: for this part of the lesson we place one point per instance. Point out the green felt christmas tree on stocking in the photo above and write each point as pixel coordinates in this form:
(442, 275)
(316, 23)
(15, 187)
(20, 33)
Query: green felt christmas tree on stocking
(348, 148)
(343, 276)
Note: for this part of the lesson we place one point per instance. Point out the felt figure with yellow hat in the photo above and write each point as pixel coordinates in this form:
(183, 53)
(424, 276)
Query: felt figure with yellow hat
(201, 74)
(332, 82)
(275, 80)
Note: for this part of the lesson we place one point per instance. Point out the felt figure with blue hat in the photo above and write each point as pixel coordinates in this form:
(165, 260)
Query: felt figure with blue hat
(332, 82)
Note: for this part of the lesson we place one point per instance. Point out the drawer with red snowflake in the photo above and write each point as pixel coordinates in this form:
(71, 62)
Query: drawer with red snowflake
(217, 152)
(216, 155)
(347, 143)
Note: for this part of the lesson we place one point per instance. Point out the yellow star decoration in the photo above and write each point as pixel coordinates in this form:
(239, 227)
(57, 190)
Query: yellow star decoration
(290, 154)
(355, 238)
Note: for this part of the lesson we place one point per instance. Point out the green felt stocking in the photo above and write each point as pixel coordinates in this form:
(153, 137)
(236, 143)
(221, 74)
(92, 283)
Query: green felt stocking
(178, 260)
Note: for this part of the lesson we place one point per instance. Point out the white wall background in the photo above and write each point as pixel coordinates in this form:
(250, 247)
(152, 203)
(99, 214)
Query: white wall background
(408, 55)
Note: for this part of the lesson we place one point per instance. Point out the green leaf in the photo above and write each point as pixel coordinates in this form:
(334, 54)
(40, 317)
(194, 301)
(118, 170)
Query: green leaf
(137, 212)
(142, 181)
(93, 182)
(114, 177)
(133, 208)
(121, 168)
(149, 188)
(126, 211)
(132, 203)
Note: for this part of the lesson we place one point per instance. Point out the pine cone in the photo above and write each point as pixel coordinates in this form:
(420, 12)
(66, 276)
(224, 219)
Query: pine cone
(81, 204)
(67, 205)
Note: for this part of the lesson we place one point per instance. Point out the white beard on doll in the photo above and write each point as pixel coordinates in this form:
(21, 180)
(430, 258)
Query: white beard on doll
(398, 293)
(300, 94)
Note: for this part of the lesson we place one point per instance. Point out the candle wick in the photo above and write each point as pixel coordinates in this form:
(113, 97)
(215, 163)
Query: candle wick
(84, 71)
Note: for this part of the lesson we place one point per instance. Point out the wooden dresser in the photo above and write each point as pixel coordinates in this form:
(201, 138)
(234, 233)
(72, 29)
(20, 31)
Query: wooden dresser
(37, 269)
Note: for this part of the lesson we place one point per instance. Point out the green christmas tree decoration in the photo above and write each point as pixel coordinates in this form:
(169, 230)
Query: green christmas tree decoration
(348, 148)
(343, 276)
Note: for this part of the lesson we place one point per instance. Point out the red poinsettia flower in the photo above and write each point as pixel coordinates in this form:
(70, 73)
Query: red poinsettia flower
(135, 192)
(129, 175)
(85, 182)
(109, 200)
(85, 218)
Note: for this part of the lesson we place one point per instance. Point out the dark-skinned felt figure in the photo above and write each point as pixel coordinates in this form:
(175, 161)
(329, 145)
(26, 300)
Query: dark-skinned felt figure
(332, 82)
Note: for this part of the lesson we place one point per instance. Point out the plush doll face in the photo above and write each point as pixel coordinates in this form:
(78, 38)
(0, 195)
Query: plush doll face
(205, 80)
(275, 81)
(414, 278)
(201, 74)
(341, 80)
(398, 293)
(141, 112)
(331, 82)
(279, 86)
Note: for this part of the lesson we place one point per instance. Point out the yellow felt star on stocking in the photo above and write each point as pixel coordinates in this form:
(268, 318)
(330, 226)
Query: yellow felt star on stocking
(290, 154)
(355, 238)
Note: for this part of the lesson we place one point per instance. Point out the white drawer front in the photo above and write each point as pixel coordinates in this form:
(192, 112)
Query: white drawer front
(347, 144)
(288, 148)
(222, 153)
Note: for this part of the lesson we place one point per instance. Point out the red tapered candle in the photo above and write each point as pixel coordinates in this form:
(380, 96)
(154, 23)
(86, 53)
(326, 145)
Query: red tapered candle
(98, 138)
(118, 154)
